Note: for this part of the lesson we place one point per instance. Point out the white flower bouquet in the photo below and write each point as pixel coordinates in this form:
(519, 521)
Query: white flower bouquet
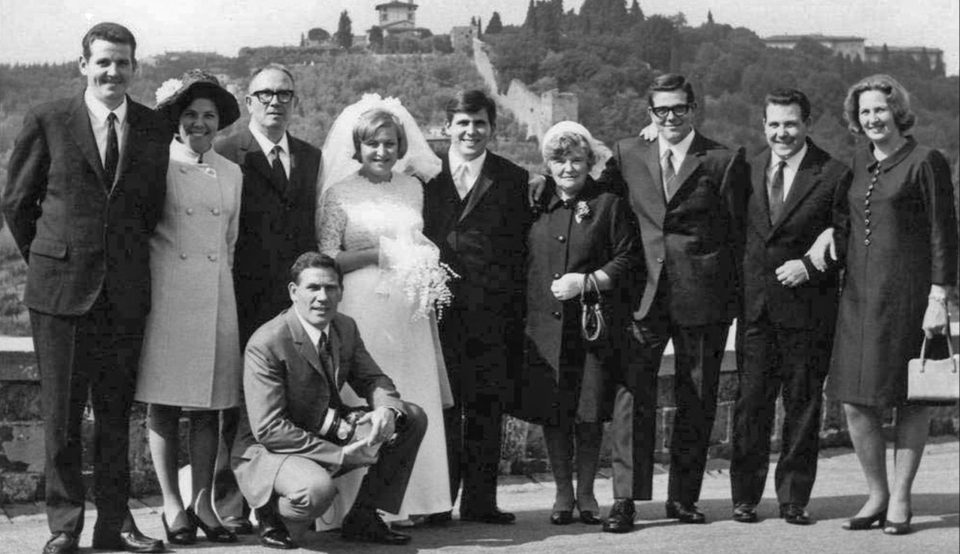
(167, 89)
(411, 264)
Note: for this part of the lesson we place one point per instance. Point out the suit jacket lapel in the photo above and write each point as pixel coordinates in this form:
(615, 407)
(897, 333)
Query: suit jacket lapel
(690, 164)
(293, 182)
(335, 343)
(82, 132)
(803, 183)
(759, 204)
(306, 348)
(254, 157)
(483, 184)
(652, 196)
(132, 140)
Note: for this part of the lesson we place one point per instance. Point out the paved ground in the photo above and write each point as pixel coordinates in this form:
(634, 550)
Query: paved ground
(838, 494)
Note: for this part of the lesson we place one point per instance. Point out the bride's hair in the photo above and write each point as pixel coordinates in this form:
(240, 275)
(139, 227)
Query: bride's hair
(370, 122)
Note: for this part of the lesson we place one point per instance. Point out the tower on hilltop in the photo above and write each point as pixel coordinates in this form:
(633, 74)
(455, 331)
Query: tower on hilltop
(397, 17)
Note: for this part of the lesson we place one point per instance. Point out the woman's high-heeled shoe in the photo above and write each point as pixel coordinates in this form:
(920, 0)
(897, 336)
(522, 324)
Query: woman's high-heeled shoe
(561, 517)
(184, 534)
(217, 533)
(895, 528)
(866, 522)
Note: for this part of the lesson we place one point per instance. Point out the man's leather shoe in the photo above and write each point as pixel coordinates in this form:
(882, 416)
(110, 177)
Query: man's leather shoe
(745, 513)
(364, 525)
(561, 517)
(239, 525)
(495, 516)
(439, 518)
(795, 514)
(590, 518)
(62, 543)
(129, 540)
(277, 537)
(620, 518)
(685, 513)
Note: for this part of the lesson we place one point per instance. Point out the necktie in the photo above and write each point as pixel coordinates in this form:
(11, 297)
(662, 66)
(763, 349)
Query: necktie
(279, 176)
(776, 192)
(112, 155)
(668, 174)
(460, 180)
(326, 360)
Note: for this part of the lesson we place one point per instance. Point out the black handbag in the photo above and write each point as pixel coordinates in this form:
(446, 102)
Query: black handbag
(593, 325)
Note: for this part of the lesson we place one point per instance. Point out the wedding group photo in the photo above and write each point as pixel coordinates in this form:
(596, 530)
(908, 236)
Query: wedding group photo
(454, 276)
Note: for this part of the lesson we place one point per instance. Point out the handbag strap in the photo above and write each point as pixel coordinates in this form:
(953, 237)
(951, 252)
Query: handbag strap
(923, 347)
(590, 309)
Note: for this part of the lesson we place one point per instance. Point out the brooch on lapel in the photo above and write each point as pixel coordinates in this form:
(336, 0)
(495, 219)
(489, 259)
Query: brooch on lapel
(582, 211)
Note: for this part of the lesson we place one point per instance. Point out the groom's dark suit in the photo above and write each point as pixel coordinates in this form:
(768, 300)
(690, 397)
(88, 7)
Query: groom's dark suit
(482, 238)
(85, 241)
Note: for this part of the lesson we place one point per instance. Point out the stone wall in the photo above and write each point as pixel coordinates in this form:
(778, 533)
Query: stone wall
(21, 430)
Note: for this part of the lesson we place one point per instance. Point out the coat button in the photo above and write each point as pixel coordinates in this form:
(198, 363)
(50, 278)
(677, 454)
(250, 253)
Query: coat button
(215, 211)
(867, 232)
(212, 257)
(866, 242)
(183, 256)
(556, 275)
(659, 260)
(867, 221)
(189, 211)
(562, 238)
(556, 315)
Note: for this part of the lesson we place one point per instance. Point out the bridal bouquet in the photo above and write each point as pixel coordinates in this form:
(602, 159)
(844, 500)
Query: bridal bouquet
(411, 264)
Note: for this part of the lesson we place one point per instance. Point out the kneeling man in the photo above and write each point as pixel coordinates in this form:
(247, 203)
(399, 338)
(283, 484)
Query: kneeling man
(294, 367)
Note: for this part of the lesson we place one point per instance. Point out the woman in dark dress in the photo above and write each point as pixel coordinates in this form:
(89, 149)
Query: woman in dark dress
(900, 233)
(567, 386)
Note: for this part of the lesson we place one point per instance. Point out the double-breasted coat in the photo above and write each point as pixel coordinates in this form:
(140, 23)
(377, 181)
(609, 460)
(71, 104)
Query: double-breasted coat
(566, 377)
(901, 237)
(191, 349)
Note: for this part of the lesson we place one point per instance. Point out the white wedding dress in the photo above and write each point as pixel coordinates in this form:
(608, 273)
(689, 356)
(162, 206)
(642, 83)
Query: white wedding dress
(356, 214)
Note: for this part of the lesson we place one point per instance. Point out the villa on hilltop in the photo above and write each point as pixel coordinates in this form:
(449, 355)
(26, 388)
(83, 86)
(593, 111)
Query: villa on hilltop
(854, 47)
(399, 18)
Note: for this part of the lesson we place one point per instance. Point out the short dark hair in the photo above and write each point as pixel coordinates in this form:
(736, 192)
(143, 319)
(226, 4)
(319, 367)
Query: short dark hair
(471, 101)
(898, 99)
(670, 82)
(317, 260)
(372, 121)
(110, 32)
(788, 97)
(272, 66)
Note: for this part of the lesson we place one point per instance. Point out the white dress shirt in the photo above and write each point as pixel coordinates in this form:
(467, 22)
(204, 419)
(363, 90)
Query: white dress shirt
(679, 150)
(470, 171)
(98, 122)
(267, 146)
(311, 330)
(789, 170)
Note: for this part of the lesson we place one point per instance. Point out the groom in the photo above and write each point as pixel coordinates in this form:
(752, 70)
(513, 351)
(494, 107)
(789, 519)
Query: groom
(475, 211)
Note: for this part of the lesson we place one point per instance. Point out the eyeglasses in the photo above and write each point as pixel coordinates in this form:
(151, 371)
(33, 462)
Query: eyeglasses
(266, 96)
(678, 110)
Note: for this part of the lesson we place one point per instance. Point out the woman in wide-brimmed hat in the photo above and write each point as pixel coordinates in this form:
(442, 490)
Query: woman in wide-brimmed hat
(191, 353)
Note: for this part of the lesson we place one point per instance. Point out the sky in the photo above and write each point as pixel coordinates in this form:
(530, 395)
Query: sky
(50, 30)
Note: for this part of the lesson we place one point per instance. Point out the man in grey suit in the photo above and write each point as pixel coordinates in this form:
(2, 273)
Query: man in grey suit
(86, 187)
(294, 368)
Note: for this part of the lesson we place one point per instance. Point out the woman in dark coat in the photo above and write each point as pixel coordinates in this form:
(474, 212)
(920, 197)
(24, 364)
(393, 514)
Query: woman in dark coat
(567, 387)
(901, 256)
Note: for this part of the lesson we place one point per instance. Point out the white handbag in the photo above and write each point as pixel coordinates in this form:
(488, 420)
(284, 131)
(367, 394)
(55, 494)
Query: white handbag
(934, 380)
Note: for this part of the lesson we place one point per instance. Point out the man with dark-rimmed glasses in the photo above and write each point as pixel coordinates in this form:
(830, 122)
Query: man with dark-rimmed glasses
(277, 223)
(689, 194)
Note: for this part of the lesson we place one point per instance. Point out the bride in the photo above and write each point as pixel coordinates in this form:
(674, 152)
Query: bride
(371, 222)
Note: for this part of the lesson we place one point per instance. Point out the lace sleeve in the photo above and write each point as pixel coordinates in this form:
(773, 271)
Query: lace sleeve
(333, 223)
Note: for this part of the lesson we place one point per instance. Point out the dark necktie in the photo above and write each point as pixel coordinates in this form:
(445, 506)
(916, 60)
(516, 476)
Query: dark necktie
(112, 155)
(326, 360)
(279, 175)
(776, 192)
(669, 175)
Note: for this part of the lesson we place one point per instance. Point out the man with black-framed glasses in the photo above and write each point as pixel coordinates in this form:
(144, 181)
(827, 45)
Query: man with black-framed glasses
(277, 223)
(689, 194)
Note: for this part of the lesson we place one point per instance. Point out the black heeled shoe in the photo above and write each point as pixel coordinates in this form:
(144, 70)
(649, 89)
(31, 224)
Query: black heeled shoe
(217, 533)
(590, 517)
(866, 522)
(184, 534)
(898, 528)
(561, 517)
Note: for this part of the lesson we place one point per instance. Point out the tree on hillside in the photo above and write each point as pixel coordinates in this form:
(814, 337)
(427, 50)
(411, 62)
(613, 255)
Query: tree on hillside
(530, 22)
(344, 34)
(376, 38)
(318, 35)
(495, 25)
(636, 14)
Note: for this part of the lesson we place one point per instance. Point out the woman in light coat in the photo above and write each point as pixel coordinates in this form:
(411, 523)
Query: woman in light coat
(191, 352)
